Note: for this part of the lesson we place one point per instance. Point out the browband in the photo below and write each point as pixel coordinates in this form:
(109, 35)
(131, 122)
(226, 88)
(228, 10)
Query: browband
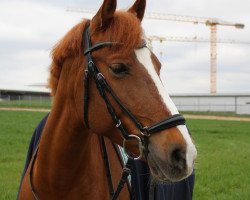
(98, 46)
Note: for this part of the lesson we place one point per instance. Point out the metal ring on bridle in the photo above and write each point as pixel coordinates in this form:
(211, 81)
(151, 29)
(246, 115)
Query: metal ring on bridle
(140, 146)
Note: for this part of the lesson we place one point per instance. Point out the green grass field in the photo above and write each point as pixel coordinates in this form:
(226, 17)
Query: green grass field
(222, 169)
(223, 159)
(16, 128)
(26, 103)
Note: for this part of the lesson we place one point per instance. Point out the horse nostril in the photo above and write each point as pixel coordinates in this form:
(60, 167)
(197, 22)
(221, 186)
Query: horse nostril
(178, 158)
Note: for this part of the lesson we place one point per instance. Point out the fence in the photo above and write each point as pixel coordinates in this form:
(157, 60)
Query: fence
(41, 101)
(235, 104)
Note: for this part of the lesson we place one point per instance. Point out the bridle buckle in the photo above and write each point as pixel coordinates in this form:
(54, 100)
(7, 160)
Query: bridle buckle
(140, 147)
(118, 124)
(145, 132)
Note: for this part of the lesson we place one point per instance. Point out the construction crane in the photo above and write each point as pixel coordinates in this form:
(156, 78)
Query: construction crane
(152, 38)
(211, 22)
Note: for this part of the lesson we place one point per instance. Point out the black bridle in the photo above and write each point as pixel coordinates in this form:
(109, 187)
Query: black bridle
(104, 90)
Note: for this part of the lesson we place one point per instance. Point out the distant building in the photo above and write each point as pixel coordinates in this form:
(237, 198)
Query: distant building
(237, 103)
(12, 94)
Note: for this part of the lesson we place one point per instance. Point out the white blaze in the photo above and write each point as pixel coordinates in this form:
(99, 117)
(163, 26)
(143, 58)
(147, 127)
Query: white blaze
(144, 57)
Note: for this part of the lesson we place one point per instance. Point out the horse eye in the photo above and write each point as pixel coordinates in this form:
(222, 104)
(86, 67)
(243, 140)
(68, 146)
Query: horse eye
(119, 69)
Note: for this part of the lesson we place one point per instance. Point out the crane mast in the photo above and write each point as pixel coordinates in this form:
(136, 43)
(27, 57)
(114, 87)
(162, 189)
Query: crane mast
(213, 59)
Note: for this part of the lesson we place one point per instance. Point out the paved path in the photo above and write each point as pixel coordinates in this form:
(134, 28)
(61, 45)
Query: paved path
(247, 119)
(25, 109)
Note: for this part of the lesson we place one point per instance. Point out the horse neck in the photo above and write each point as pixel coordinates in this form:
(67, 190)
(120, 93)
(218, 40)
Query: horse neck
(69, 156)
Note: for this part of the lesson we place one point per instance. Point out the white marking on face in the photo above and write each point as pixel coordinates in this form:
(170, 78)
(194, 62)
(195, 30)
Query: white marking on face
(144, 57)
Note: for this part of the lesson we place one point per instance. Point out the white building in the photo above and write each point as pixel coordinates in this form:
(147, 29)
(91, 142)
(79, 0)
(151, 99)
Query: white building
(237, 103)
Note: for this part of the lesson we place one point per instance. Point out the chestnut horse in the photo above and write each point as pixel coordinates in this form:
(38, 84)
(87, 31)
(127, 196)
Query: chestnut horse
(69, 163)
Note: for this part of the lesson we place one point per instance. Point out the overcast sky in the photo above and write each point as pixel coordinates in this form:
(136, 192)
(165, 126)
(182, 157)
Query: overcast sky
(29, 29)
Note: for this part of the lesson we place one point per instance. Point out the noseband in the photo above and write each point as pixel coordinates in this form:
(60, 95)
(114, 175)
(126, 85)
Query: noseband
(104, 88)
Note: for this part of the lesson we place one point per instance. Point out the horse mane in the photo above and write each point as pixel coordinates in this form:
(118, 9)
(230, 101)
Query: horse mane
(71, 44)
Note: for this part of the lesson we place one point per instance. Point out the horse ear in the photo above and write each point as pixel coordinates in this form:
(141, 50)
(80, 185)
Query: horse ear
(138, 9)
(105, 14)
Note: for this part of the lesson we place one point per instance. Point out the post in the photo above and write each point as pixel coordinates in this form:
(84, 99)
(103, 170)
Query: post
(235, 104)
(213, 57)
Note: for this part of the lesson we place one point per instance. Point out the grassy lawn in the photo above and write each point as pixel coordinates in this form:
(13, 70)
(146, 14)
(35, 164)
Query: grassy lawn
(26, 103)
(222, 169)
(223, 159)
(16, 128)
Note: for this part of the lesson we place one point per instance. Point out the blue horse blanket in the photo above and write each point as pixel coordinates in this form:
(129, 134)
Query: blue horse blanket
(140, 179)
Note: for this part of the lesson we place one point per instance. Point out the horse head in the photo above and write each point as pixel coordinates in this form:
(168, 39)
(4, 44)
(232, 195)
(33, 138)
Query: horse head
(132, 71)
